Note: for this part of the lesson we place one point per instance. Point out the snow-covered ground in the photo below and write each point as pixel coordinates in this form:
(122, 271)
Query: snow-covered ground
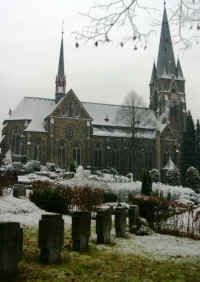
(153, 246)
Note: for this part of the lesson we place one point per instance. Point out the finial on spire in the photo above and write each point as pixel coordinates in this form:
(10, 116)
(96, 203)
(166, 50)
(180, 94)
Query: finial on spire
(164, 3)
(62, 28)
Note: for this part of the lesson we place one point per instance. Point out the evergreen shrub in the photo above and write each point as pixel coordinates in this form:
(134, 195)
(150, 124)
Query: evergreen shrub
(146, 183)
(192, 179)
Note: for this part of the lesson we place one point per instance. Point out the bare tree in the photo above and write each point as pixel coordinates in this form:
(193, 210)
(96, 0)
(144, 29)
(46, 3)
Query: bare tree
(106, 18)
(129, 113)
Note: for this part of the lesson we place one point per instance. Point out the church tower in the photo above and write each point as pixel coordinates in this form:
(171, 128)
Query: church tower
(60, 78)
(167, 85)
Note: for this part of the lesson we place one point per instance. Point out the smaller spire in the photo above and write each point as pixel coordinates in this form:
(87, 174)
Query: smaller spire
(60, 78)
(154, 74)
(179, 70)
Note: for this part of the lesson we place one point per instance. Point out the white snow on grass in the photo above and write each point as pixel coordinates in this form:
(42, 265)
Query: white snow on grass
(22, 211)
(156, 246)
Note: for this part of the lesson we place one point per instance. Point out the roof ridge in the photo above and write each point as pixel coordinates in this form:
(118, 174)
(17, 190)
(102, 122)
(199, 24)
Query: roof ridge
(116, 105)
(41, 98)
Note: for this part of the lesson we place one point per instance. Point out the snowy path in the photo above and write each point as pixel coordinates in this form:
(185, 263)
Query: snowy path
(155, 246)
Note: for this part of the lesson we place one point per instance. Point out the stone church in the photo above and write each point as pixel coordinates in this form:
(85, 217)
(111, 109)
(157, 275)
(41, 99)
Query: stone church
(64, 129)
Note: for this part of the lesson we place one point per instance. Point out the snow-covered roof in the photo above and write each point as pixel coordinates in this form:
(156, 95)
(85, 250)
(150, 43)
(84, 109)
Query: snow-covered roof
(106, 115)
(170, 165)
(33, 109)
(107, 131)
(116, 115)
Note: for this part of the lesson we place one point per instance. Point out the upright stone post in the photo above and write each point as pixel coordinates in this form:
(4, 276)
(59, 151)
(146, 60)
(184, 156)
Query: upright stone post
(120, 222)
(19, 190)
(11, 245)
(133, 214)
(81, 223)
(51, 238)
(103, 226)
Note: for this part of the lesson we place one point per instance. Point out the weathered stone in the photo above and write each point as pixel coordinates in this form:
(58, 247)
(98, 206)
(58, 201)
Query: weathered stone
(103, 226)
(144, 230)
(19, 190)
(133, 214)
(11, 245)
(51, 238)
(142, 221)
(120, 222)
(81, 223)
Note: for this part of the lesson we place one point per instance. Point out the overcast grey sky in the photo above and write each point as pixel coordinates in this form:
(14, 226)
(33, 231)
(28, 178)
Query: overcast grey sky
(30, 42)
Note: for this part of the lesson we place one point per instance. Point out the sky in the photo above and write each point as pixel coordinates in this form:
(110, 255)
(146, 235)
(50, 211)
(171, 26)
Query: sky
(29, 52)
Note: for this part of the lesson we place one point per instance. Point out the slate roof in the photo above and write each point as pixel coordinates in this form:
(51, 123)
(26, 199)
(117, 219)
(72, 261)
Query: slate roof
(117, 115)
(33, 109)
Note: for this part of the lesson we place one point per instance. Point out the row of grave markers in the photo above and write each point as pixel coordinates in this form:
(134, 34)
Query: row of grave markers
(51, 235)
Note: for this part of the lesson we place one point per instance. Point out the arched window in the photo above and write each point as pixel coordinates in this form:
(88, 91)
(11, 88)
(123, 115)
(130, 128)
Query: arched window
(15, 142)
(166, 157)
(98, 156)
(77, 155)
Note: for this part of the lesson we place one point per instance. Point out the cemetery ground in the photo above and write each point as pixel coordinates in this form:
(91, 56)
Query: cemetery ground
(153, 258)
(101, 264)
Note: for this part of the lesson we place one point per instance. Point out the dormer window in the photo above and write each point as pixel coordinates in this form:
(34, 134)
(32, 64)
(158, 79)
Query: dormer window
(106, 118)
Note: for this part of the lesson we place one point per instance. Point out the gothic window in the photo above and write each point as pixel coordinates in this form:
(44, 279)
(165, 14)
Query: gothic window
(69, 132)
(148, 160)
(98, 157)
(70, 109)
(61, 156)
(36, 152)
(77, 155)
(165, 158)
(15, 142)
(115, 158)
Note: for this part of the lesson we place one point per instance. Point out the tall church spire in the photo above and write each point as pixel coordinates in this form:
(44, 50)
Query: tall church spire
(60, 78)
(166, 61)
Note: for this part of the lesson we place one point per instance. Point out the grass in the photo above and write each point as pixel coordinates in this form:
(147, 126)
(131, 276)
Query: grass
(100, 265)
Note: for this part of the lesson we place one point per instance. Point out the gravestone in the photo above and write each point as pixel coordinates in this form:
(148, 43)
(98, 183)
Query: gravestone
(51, 238)
(120, 222)
(81, 223)
(11, 246)
(19, 190)
(103, 226)
(133, 214)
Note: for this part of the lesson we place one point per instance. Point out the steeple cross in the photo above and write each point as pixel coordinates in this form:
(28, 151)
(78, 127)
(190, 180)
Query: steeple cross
(62, 28)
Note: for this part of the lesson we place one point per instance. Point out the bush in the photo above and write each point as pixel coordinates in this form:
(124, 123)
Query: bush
(64, 199)
(109, 197)
(155, 175)
(192, 179)
(146, 183)
(154, 209)
(173, 177)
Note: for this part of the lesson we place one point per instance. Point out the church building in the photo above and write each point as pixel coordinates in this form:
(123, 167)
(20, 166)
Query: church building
(63, 129)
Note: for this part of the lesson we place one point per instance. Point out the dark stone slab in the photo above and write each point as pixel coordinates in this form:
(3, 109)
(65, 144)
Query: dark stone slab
(19, 190)
(103, 226)
(81, 224)
(51, 238)
(11, 246)
(120, 222)
(133, 214)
